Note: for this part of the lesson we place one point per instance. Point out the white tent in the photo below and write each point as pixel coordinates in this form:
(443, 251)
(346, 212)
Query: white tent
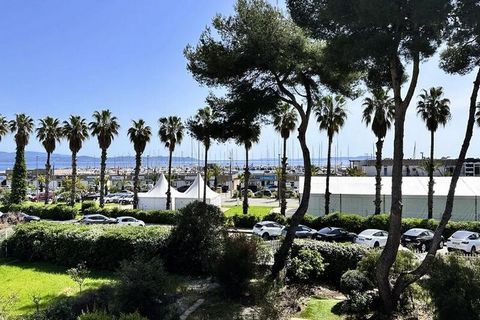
(356, 195)
(156, 199)
(195, 192)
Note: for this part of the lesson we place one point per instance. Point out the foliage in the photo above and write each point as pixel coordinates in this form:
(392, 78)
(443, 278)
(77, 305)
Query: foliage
(88, 205)
(354, 281)
(238, 264)
(195, 242)
(131, 316)
(79, 274)
(405, 261)
(141, 286)
(58, 212)
(18, 191)
(97, 315)
(307, 266)
(355, 172)
(454, 286)
(168, 217)
(337, 258)
(101, 247)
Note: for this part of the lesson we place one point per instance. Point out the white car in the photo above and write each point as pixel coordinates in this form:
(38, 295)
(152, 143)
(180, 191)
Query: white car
(465, 241)
(130, 221)
(268, 229)
(372, 238)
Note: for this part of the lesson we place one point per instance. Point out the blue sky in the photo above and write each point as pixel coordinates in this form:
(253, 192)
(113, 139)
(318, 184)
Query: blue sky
(63, 57)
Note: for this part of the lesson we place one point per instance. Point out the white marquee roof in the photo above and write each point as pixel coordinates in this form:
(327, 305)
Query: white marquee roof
(195, 191)
(160, 189)
(414, 186)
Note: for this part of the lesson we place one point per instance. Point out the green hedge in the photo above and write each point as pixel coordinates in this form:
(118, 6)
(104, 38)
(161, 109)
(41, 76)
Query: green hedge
(337, 257)
(151, 216)
(101, 247)
(59, 212)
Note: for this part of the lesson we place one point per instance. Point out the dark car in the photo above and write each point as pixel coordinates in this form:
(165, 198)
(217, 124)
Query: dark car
(420, 239)
(335, 234)
(302, 232)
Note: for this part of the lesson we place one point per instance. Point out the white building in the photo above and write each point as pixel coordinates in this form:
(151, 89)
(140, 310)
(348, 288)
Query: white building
(356, 195)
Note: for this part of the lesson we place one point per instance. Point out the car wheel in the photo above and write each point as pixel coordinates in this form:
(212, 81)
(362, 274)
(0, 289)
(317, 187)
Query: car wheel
(376, 244)
(423, 247)
(473, 250)
(449, 249)
(265, 236)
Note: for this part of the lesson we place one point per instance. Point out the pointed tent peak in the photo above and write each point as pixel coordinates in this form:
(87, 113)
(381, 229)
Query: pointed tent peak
(160, 188)
(196, 189)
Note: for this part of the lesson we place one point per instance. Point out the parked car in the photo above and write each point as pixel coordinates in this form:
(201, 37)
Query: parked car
(373, 238)
(262, 193)
(335, 234)
(127, 199)
(268, 229)
(97, 219)
(28, 218)
(183, 188)
(42, 196)
(130, 221)
(419, 238)
(302, 232)
(463, 240)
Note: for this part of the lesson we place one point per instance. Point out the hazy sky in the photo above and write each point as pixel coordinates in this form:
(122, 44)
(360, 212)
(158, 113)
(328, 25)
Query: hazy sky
(63, 57)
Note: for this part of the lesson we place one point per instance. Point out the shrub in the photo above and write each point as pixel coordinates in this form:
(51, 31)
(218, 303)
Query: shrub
(141, 285)
(101, 246)
(307, 266)
(88, 205)
(244, 220)
(58, 212)
(337, 257)
(196, 241)
(454, 284)
(168, 217)
(276, 217)
(405, 261)
(97, 315)
(238, 263)
(354, 280)
(131, 316)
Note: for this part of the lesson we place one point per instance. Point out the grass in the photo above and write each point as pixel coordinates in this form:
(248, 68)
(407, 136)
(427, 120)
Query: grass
(320, 309)
(259, 211)
(44, 280)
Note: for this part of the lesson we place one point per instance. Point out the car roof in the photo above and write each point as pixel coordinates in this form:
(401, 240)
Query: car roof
(267, 221)
(125, 217)
(93, 215)
(464, 233)
(371, 231)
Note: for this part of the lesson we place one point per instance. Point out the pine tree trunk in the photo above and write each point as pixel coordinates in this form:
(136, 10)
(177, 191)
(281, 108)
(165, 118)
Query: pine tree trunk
(103, 165)
(169, 193)
(378, 177)
(430, 176)
(283, 183)
(245, 189)
(136, 181)
(74, 179)
(205, 172)
(47, 178)
(327, 188)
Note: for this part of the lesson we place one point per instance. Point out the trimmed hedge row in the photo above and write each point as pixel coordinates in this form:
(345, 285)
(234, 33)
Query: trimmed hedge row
(148, 216)
(59, 212)
(101, 247)
(337, 257)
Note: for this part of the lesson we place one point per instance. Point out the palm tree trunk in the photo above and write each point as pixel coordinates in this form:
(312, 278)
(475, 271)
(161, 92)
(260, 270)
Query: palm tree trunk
(169, 193)
(378, 177)
(136, 182)
(74, 178)
(430, 176)
(283, 183)
(245, 189)
(103, 165)
(47, 178)
(327, 188)
(205, 172)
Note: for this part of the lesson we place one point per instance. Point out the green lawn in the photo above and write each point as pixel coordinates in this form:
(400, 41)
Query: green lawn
(41, 279)
(259, 211)
(320, 309)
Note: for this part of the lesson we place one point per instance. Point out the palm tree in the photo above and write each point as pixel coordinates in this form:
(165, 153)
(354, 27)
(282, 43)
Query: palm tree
(170, 133)
(216, 171)
(49, 133)
(22, 126)
(284, 121)
(105, 127)
(139, 134)
(331, 116)
(4, 127)
(434, 111)
(247, 134)
(203, 127)
(76, 132)
(379, 111)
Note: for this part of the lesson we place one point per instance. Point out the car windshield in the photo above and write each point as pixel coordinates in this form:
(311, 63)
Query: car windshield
(368, 232)
(461, 234)
(414, 232)
(326, 230)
